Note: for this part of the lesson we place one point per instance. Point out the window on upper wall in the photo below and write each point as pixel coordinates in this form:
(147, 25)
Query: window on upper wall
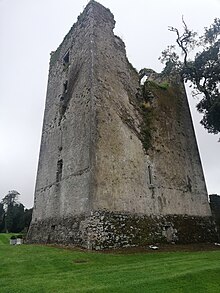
(150, 174)
(66, 58)
(65, 86)
(59, 170)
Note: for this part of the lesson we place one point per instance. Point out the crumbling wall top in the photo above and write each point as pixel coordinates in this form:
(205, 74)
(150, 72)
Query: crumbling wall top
(93, 12)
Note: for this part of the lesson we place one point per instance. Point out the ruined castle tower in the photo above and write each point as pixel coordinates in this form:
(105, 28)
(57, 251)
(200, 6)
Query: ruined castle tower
(119, 163)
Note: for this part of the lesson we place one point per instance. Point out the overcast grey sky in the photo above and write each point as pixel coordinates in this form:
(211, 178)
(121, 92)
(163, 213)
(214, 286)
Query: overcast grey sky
(30, 30)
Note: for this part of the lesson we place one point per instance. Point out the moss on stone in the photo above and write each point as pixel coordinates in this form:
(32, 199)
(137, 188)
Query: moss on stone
(105, 229)
(164, 85)
(146, 127)
(147, 114)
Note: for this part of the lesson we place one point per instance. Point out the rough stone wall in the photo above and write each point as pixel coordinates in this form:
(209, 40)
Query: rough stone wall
(105, 229)
(97, 185)
(177, 178)
(122, 166)
(67, 129)
(215, 208)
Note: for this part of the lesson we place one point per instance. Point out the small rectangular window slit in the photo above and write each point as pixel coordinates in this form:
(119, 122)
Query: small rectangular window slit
(66, 58)
(65, 86)
(150, 175)
(59, 170)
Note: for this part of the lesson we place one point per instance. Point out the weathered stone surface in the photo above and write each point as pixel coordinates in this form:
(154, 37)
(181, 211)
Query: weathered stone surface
(215, 208)
(99, 183)
(102, 229)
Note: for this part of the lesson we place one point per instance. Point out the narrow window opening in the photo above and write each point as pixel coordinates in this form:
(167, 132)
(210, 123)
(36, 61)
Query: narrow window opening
(143, 80)
(66, 58)
(59, 170)
(150, 174)
(189, 184)
(65, 86)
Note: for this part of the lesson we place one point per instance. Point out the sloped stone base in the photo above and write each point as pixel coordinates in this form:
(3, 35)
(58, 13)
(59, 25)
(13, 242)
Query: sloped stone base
(102, 229)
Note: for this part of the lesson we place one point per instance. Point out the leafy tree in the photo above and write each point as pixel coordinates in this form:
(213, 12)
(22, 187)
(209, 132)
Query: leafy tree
(9, 218)
(27, 217)
(9, 202)
(13, 217)
(10, 198)
(203, 71)
(17, 218)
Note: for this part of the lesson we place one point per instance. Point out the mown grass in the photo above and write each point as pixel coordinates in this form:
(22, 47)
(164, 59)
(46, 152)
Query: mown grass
(41, 269)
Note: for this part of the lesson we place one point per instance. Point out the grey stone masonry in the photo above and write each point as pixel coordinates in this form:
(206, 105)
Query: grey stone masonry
(119, 164)
(215, 208)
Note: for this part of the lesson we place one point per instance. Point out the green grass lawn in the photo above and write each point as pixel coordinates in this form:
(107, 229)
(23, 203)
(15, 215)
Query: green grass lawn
(41, 269)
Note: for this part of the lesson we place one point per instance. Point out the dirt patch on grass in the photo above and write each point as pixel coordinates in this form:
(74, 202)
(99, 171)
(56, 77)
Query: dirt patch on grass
(79, 261)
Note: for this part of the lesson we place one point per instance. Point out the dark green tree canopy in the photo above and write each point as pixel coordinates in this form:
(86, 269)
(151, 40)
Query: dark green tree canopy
(2, 216)
(13, 217)
(203, 71)
(10, 198)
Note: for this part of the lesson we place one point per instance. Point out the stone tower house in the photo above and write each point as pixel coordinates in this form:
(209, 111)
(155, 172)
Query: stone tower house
(119, 164)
